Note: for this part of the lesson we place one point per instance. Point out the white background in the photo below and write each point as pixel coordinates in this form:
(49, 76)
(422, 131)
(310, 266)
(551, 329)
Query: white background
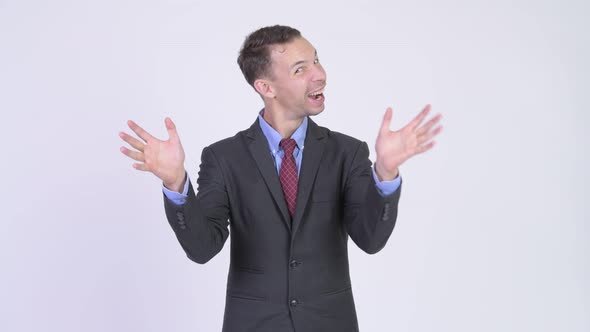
(492, 233)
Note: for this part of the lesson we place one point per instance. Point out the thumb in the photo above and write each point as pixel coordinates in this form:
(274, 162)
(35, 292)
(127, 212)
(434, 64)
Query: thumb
(386, 120)
(171, 128)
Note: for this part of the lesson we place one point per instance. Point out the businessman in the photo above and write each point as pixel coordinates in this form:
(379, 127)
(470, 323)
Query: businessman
(290, 191)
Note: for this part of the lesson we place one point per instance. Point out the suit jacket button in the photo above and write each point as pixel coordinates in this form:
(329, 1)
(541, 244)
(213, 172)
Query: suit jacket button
(294, 263)
(182, 226)
(294, 303)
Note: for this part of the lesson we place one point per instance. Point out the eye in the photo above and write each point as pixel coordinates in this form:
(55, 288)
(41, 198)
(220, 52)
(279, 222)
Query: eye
(316, 61)
(299, 70)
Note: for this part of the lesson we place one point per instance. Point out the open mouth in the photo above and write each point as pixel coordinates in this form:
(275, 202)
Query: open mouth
(318, 95)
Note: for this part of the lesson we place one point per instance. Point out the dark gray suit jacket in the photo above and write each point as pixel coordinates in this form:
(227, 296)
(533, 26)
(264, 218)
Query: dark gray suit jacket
(285, 276)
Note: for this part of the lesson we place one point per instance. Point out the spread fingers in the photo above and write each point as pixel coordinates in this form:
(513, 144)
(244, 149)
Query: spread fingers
(134, 142)
(135, 155)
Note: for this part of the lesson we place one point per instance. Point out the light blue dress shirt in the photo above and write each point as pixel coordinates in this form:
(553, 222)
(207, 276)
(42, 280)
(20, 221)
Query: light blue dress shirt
(274, 138)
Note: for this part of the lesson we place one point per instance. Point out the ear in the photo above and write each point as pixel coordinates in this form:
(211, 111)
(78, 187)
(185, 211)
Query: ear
(264, 88)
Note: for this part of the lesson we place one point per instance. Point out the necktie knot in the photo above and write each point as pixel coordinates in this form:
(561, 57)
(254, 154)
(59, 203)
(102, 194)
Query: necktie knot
(288, 145)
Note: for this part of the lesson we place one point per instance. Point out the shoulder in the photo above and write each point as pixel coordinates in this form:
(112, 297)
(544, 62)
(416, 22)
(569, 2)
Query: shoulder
(229, 144)
(344, 139)
(338, 139)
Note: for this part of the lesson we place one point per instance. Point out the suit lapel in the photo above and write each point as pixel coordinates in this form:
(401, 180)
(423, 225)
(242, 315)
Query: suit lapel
(312, 155)
(260, 151)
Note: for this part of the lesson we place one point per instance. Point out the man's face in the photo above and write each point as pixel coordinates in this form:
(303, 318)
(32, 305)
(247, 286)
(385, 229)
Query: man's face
(298, 79)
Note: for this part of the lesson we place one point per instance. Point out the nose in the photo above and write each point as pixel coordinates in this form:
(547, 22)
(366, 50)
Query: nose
(319, 74)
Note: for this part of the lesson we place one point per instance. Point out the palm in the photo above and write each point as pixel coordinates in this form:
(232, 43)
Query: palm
(396, 146)
(165, 159)
(393, 148)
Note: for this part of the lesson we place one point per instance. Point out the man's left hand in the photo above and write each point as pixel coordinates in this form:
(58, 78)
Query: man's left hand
(395, 147)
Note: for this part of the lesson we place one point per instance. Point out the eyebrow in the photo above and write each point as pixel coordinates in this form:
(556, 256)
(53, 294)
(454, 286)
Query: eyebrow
(303, 61)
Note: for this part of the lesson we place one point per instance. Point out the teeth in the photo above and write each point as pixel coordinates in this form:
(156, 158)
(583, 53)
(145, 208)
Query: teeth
(315, 94)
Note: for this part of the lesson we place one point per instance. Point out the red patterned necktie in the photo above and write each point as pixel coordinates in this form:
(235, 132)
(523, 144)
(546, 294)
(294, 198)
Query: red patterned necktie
(288, 174)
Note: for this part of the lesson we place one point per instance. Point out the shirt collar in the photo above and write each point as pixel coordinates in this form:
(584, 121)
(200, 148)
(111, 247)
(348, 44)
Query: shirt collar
(274, 138)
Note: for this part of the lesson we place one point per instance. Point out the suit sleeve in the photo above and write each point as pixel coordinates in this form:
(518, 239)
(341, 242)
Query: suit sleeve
(369, 217)
(201, 224)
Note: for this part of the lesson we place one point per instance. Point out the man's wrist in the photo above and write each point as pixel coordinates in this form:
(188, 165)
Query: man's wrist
(383, 175)
(177, 185)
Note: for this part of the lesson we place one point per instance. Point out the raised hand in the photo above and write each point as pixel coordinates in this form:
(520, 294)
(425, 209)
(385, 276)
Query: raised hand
(165, 159)
(395, 147)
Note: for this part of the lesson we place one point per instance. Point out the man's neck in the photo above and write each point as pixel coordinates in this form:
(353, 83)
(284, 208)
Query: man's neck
(279, 122)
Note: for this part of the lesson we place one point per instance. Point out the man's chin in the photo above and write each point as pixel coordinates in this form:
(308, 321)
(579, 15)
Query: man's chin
(315, 111)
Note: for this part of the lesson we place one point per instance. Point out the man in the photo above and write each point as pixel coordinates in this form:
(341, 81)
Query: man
(292, 193)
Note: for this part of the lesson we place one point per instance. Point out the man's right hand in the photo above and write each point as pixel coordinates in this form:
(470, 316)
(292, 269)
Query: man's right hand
(165, 159)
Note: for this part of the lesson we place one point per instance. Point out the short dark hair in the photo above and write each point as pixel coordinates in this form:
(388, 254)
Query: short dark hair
(254, 59)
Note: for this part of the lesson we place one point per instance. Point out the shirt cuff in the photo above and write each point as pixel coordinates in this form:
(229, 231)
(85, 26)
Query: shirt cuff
(175, 197)
(386, 188)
